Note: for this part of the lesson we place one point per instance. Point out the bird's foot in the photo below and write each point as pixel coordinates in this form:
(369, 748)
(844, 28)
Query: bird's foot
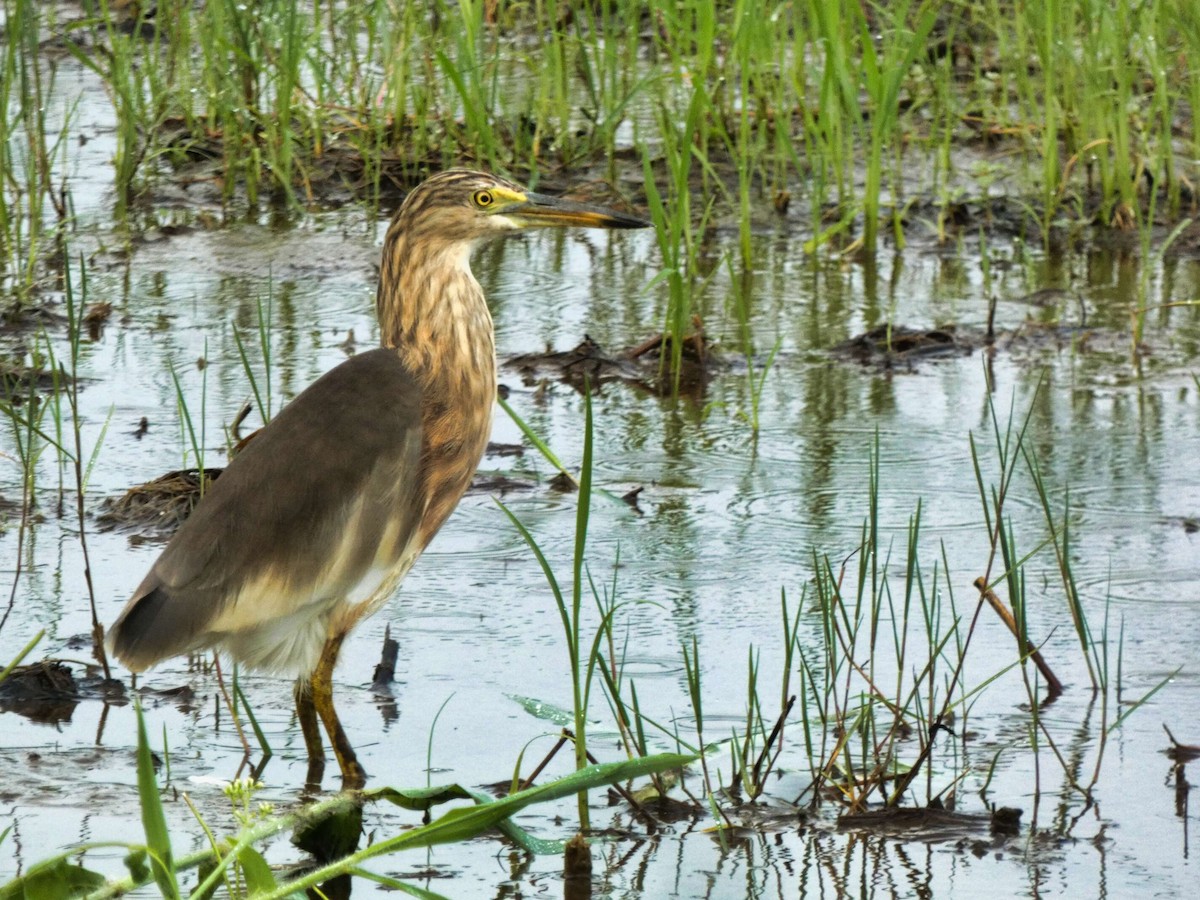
(316, 771)
(353, 775)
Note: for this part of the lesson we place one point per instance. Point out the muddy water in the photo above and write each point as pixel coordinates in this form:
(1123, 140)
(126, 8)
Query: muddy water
(724, 523)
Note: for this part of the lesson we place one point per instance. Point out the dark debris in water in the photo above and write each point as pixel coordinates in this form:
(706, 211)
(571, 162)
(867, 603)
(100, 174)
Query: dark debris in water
(385, 676)
(19, 381)
(901, 347)
(932, 824)
(587, 360)
(1181, 752)
(1189, 524)
(154, 511)
(48, 691)
(589, 364)
(96, 317)
(495, 483)
(157, 508)
(495, 448)
(183, 697)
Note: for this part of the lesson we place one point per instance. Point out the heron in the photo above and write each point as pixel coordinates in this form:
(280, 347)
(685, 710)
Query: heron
(313, 525)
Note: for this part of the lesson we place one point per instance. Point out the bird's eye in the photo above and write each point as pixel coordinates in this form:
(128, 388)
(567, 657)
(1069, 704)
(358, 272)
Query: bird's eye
(483, 199)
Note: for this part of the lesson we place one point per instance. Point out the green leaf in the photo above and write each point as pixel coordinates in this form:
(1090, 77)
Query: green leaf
(418, 799)
(536, 440)
(548, 712)
(259, 877)
(465, 823)
(53, 879)
(158, 840)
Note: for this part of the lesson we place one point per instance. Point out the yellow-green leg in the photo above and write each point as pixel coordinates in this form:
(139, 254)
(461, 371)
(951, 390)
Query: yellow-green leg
(321, 692)
(311, 729)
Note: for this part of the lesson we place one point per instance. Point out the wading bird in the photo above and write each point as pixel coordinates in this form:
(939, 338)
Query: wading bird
(313, 525)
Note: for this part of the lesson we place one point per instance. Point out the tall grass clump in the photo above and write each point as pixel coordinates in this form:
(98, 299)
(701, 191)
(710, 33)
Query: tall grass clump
(883, 73)
(604, 47)
(678, 235)
(847, 100)
(137, 86)
(1100, 109)
(33, 211)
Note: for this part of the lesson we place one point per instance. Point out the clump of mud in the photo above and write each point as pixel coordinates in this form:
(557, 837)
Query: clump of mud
(587, 365)
(158, 507)
(901, 347)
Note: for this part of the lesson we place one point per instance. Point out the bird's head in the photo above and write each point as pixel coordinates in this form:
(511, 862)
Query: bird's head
(460, 205)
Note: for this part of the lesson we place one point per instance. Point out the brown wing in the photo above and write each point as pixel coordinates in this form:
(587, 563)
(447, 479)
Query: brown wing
(318, 499)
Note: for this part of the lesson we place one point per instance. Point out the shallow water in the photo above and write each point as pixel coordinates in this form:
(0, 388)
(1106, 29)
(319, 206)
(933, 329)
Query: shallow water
(725, 522)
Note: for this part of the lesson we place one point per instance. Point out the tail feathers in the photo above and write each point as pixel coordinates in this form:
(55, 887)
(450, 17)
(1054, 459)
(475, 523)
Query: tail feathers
(154, 627)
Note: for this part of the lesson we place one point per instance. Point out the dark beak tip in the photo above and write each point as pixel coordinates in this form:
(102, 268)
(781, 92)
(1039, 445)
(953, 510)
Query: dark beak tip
(597, 216)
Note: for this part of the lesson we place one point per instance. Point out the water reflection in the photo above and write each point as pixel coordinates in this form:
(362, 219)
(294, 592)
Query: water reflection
(729, 520)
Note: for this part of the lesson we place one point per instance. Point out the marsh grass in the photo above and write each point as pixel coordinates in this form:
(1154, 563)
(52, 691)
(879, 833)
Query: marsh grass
(34, 206)
(260, 386)
(82, 461)
(193, 442)
(582, 665)
(33, 435)
(863, 110)
(521, 87)
(24, 412)
(874, 701)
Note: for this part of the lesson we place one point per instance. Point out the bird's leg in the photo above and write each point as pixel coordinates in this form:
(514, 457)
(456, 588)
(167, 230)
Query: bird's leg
(306, 712)
(321, 683)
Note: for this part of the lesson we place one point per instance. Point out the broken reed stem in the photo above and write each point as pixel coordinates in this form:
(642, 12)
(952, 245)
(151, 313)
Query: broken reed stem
(775, 732)
(528, 782)
(577, 869)
(237, 724)
(1054, 686)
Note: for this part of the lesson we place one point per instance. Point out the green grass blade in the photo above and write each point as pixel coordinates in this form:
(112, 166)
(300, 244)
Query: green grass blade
(158, 841)
(25, 651)
(542, 447)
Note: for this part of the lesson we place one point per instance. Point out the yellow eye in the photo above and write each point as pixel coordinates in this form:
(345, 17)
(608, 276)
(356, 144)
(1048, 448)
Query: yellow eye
(483, 199)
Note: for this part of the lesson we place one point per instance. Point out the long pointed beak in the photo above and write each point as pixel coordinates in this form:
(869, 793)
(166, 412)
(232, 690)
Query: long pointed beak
(541, 210)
